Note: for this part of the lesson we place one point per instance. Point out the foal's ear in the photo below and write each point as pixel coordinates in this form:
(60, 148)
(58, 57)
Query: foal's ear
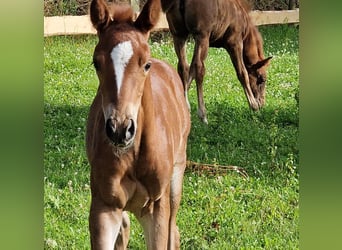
(99, 14)
(149, 16)
(263, 63)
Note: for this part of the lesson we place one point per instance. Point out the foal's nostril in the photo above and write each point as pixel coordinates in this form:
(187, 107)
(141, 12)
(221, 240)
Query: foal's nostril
(120, 134)
(130, 130)
(110, 128)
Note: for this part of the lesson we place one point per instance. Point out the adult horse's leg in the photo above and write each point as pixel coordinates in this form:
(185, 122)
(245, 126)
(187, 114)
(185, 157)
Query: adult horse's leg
(156, 223)
(197, 71)
(180, 35)
(235, 51)
(176, 193)
(182, 66)
(104, 225)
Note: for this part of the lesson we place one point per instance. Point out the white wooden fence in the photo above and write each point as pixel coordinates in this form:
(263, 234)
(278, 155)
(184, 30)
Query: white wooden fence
(77, 25)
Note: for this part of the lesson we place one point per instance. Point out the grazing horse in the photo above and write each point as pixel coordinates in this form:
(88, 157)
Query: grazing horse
(137, 132)
(222, 24)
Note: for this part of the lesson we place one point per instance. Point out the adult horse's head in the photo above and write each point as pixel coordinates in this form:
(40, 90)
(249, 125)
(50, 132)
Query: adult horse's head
(122, 62)
(257, 80)
(256, 66)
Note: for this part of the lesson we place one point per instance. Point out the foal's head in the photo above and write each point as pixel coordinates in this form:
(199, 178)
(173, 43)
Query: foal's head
(122, 62)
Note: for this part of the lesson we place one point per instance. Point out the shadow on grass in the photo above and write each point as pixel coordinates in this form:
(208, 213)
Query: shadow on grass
(64, 144)
(260, 142)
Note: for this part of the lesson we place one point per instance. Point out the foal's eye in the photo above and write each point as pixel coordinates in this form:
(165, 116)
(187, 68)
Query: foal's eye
(147, 66)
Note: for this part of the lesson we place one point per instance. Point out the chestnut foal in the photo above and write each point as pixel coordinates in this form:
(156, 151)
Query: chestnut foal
(137, 132)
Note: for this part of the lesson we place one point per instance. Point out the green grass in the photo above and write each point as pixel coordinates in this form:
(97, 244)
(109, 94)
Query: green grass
(220, 211)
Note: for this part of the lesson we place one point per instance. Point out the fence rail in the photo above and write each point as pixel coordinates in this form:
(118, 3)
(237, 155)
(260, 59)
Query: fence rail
(77, 25)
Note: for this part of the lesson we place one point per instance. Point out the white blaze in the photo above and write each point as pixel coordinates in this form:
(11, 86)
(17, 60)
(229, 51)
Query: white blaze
(121, 54)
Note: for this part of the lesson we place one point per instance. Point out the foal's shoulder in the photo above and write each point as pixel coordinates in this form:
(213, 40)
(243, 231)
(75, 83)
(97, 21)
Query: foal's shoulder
(161, 66)
(163, 73)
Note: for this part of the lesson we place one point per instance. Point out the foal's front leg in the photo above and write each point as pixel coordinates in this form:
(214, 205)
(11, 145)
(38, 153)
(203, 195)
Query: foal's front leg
(175, 198)
(156, 224)
(105, 224)
(123, 237)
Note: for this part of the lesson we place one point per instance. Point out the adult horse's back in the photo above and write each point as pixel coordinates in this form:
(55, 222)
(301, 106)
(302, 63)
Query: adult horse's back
(137, 132)
(218, 23)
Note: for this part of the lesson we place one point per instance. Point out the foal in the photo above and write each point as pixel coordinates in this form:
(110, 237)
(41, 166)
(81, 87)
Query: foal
(223, 24)
(137, 133)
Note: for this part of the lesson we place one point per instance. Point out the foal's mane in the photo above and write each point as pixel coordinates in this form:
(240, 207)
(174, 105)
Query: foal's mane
(121, 12)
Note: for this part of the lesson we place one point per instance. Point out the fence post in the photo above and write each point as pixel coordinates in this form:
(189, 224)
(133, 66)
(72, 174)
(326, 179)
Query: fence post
(292, 4)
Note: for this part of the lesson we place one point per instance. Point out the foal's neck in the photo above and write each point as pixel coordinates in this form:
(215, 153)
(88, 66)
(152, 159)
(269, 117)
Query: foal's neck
(147, 114)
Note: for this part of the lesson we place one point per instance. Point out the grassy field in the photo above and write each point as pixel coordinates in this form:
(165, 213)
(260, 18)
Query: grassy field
(218, 210)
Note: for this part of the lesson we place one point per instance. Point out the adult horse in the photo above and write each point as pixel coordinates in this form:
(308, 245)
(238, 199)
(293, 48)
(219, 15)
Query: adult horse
(137, 132)
(223, 24)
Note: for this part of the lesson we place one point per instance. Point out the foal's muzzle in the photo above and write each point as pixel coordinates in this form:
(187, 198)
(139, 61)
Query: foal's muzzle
(121, 134)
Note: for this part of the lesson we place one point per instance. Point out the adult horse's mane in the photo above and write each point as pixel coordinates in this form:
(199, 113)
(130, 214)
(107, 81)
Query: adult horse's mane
(246, 5)
(259, 42)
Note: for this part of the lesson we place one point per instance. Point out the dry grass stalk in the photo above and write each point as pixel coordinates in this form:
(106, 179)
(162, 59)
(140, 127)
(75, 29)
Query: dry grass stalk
(214, 169)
